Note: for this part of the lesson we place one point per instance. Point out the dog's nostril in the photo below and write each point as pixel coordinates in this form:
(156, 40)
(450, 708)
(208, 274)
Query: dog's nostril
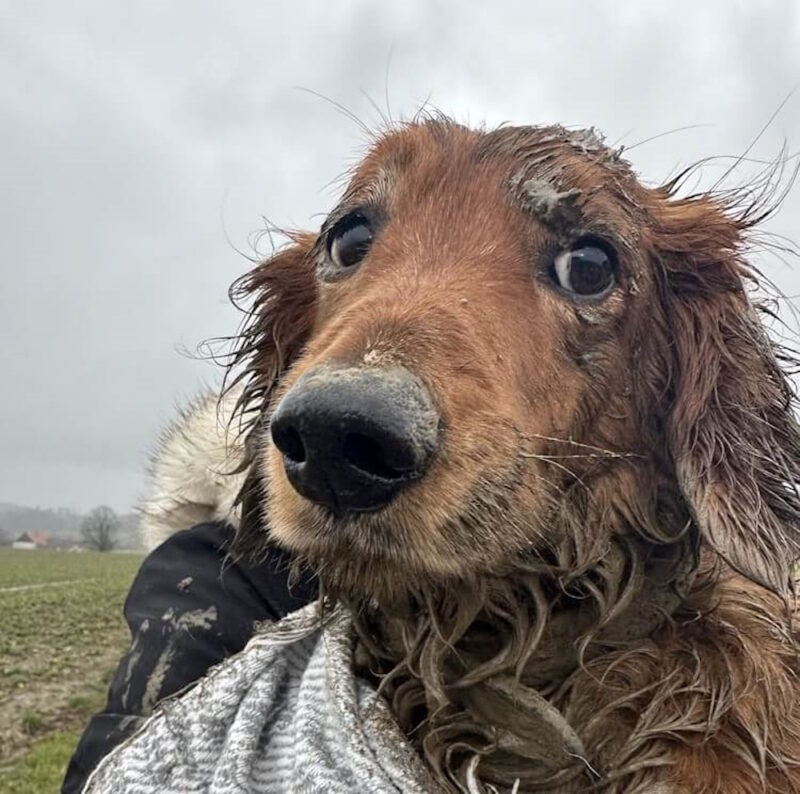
(291, 445)
(366, 454)
(351, 440)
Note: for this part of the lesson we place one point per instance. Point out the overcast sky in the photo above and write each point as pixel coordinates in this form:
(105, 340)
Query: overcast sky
(137, 138)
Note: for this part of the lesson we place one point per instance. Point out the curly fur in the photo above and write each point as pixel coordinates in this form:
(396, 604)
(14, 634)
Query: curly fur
(596, 592)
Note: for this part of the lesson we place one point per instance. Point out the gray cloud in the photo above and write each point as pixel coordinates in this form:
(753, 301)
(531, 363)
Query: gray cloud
(134, 137)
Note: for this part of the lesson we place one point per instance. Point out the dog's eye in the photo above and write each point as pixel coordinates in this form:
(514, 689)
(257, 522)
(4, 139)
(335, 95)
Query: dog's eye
(349, 240)
(588, 269)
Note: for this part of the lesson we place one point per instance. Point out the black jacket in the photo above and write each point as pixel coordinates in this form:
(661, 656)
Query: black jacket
(190, 606)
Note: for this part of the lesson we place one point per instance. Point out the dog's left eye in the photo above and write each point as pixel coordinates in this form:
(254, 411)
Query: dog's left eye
(349, 240)
(588, 269)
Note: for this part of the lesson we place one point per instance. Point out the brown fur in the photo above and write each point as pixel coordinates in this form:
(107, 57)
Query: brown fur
(589, 588)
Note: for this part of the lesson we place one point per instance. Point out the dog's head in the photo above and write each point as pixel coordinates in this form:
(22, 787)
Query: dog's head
(502, 346)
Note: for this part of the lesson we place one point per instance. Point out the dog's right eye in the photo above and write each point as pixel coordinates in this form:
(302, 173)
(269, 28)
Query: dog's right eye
(349, 240)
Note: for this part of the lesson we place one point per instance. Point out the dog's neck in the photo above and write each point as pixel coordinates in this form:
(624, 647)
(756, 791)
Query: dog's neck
(482, 663)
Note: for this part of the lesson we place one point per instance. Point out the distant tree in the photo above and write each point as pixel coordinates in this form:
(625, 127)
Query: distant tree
(99, 529)
(5, 537)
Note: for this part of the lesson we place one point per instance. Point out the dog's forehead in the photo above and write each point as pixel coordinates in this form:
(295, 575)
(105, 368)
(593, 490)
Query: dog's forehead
(552, 151)
(537, 146)
(552, 172)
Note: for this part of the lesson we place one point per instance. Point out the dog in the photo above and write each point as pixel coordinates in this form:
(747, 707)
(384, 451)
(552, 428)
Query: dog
(521, 415)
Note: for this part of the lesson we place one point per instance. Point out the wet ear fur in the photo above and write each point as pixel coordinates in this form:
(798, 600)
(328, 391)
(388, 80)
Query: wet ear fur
(731, 429)
(280, 304)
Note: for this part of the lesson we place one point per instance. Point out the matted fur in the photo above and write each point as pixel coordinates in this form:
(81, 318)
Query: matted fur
(592, 587)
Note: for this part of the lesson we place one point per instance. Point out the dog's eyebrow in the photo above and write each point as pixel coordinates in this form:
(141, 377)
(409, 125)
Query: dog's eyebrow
(373, 189)
(556, 209)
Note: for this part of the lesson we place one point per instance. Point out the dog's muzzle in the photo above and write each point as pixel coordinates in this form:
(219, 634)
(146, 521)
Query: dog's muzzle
(353, 438)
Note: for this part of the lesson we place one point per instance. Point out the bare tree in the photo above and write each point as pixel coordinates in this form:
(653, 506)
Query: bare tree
(99, 529)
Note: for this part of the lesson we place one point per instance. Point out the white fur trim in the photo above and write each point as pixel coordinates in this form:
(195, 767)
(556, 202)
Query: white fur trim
(191, 473)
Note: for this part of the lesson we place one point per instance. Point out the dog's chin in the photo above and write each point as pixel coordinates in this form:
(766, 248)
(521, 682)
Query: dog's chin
(363, 555)
(369, 558)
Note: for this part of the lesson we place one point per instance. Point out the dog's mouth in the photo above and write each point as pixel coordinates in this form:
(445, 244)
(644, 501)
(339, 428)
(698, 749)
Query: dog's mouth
(431, 533)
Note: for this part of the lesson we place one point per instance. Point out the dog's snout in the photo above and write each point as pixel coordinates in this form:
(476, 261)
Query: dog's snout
(351, 439)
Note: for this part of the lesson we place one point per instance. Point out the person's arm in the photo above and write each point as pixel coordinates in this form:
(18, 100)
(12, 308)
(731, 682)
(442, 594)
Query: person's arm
(190, 606)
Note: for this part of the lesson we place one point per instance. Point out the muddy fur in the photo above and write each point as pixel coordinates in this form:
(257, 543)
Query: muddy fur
(592, 589)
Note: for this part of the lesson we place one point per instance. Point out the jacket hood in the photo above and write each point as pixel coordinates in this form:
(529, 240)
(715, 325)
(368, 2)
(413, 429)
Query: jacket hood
(194, 472)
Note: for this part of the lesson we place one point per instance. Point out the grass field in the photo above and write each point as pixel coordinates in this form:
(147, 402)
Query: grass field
(61, 636)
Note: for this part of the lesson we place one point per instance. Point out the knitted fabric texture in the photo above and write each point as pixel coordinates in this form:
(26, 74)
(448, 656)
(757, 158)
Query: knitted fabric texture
(287, 714)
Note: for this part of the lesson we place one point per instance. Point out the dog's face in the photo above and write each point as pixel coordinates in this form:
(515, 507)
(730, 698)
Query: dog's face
(485, 360)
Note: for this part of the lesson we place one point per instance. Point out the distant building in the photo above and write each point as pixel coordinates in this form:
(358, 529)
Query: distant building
(61, 544)
(31, 540)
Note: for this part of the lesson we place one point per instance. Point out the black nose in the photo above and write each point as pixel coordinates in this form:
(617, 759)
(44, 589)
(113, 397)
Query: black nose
(352, 438)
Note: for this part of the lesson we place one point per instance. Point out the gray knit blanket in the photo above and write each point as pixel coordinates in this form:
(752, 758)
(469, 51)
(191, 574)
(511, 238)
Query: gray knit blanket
(287, 714)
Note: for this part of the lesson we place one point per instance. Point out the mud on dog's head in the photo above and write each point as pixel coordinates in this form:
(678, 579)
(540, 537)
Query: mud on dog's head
(501, 346)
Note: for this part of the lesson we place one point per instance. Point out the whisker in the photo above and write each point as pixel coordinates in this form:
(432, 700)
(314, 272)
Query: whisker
(600, 455)
(665, 134)
(609, 452)
(576, 478)
(339, 107)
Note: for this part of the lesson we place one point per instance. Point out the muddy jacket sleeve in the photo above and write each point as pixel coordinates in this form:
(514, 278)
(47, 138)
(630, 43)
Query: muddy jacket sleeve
(189, 607)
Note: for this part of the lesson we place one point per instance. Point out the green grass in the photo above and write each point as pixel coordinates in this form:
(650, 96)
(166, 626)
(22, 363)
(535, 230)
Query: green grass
(41, 769)
(53, 632)
(59, 646)
(19, 568)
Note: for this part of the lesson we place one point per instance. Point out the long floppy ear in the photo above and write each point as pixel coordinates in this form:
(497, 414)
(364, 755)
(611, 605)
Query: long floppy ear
(731, 429)
(279, 298)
